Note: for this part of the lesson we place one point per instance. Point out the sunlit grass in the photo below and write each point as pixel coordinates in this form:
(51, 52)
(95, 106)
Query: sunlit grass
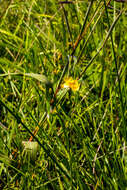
(63, 95)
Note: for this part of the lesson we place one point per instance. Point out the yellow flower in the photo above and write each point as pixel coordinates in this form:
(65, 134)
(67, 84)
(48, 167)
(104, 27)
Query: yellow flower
(71, 83)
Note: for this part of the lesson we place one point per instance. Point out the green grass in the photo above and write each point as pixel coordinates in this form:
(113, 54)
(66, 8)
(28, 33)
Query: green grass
(81, 138)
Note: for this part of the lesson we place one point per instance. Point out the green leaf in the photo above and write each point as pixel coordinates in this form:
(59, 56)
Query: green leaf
(39, 77)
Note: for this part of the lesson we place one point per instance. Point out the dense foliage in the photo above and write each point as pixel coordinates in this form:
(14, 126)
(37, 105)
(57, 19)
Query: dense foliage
(63, 94)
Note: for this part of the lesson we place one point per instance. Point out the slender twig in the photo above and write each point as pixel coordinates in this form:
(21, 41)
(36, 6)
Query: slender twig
(82, 30)
(67, 23)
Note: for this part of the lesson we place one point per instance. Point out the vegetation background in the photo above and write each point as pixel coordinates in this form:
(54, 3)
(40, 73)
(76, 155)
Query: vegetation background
(56, 134)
